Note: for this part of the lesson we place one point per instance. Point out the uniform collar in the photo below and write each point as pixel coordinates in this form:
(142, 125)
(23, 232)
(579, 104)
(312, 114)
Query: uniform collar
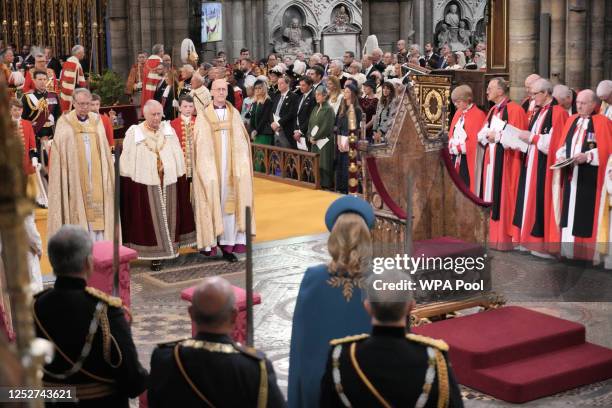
(69, 282)
(388, 331)
(214, 337)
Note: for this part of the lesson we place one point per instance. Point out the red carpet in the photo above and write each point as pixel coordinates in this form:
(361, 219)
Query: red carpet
(518, 355)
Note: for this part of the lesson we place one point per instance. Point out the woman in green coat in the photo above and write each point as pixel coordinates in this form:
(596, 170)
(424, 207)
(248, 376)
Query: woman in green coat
(320, 134)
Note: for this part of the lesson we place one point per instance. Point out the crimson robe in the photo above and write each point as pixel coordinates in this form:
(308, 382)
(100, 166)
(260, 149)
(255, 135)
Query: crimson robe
(29, 145)
(156, 214)
(531, 208)
(505, 177)
(590, 180)
(466, 162)
(150, 78)
(177, 125)
(72, 77)
(108, 129)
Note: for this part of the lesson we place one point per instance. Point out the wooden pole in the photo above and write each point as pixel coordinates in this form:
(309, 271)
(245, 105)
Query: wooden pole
(249, 279)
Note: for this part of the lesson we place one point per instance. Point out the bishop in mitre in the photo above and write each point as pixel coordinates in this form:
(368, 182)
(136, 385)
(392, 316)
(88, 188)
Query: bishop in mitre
(156, 214)
(222, 177)
(81, 174)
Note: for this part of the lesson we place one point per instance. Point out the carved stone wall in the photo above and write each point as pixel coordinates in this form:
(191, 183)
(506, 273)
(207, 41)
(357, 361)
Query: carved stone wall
(465, 27)
(319, 19)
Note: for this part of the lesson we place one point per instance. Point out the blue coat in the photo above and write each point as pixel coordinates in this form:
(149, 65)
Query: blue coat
(321, 314)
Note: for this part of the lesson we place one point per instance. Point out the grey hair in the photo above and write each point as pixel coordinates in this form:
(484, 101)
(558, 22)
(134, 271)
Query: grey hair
(157, 48)
(604, 89)
(76, 49)
(337, 63)
(544, 85)
(388, 305)
(416, 47)
(358, 64)
(189, 68)
(322, 90)
(68, 250)
(149, 104)
(81, 91)
(562, 91)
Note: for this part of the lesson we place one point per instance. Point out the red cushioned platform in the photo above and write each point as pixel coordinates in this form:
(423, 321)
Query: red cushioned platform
(519, 355)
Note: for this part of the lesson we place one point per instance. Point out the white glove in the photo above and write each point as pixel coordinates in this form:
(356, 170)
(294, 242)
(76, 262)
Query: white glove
(34, 161)
(51, 119)
(175, 103)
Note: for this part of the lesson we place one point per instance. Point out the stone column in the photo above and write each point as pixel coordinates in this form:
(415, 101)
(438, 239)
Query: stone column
(557, 41)
(365, 26)
(238, 24)
(576, 45)
(523, 24)
(428, 18)
(118, 32)
(598, 10)
(406, 24)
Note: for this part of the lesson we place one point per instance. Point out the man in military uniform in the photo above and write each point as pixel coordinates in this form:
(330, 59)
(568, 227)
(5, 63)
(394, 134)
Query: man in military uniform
(210, 369)
(42, 108)
(94, 350)
(388, 368)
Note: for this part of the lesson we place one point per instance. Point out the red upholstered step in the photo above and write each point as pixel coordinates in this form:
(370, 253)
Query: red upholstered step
(549, 373)
(503, 335)
(518, 355)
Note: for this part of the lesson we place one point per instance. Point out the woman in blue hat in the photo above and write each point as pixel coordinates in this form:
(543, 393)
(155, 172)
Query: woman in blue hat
(329, 303)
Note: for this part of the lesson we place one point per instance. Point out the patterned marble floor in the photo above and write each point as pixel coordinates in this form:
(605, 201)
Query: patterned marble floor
(160, 315)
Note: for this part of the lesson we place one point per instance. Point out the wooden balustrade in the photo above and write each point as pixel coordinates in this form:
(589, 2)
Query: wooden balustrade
(286, 165)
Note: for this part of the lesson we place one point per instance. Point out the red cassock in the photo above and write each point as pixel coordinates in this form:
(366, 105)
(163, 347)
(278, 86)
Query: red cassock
(108, 129)
(531, 207)
(466, 159)
(504, 177)
(585, 210)
(151, 78)
(72, 77)
(28, 85)
(29, 145)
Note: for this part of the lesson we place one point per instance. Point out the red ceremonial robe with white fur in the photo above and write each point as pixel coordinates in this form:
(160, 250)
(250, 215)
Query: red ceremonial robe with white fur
(473, 118)
(72, 77)
(530, 212)
(500, 187)
(577, 187)
(151, 78)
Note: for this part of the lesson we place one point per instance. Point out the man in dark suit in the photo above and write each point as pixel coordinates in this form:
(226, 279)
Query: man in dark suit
(393, 364)
(166, 92)
(95, 352)
(284, 112)
(429, 53)
(366, 65)
(53, 62)
(211, 369)
(305, 104)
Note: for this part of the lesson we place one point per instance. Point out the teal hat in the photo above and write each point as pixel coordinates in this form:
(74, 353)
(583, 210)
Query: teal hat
(349, 204)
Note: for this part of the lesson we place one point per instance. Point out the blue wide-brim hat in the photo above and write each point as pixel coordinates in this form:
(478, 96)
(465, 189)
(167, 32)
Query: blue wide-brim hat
(349, 204)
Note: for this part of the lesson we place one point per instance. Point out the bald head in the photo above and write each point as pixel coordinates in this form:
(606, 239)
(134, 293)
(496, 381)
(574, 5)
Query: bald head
(213, 307)
(604, 91)
(219, 90)
(586, 102)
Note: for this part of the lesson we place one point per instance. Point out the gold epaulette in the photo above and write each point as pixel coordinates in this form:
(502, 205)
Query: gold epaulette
(428, 341)
(98, 294)
(249, 351)
(348, 339)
